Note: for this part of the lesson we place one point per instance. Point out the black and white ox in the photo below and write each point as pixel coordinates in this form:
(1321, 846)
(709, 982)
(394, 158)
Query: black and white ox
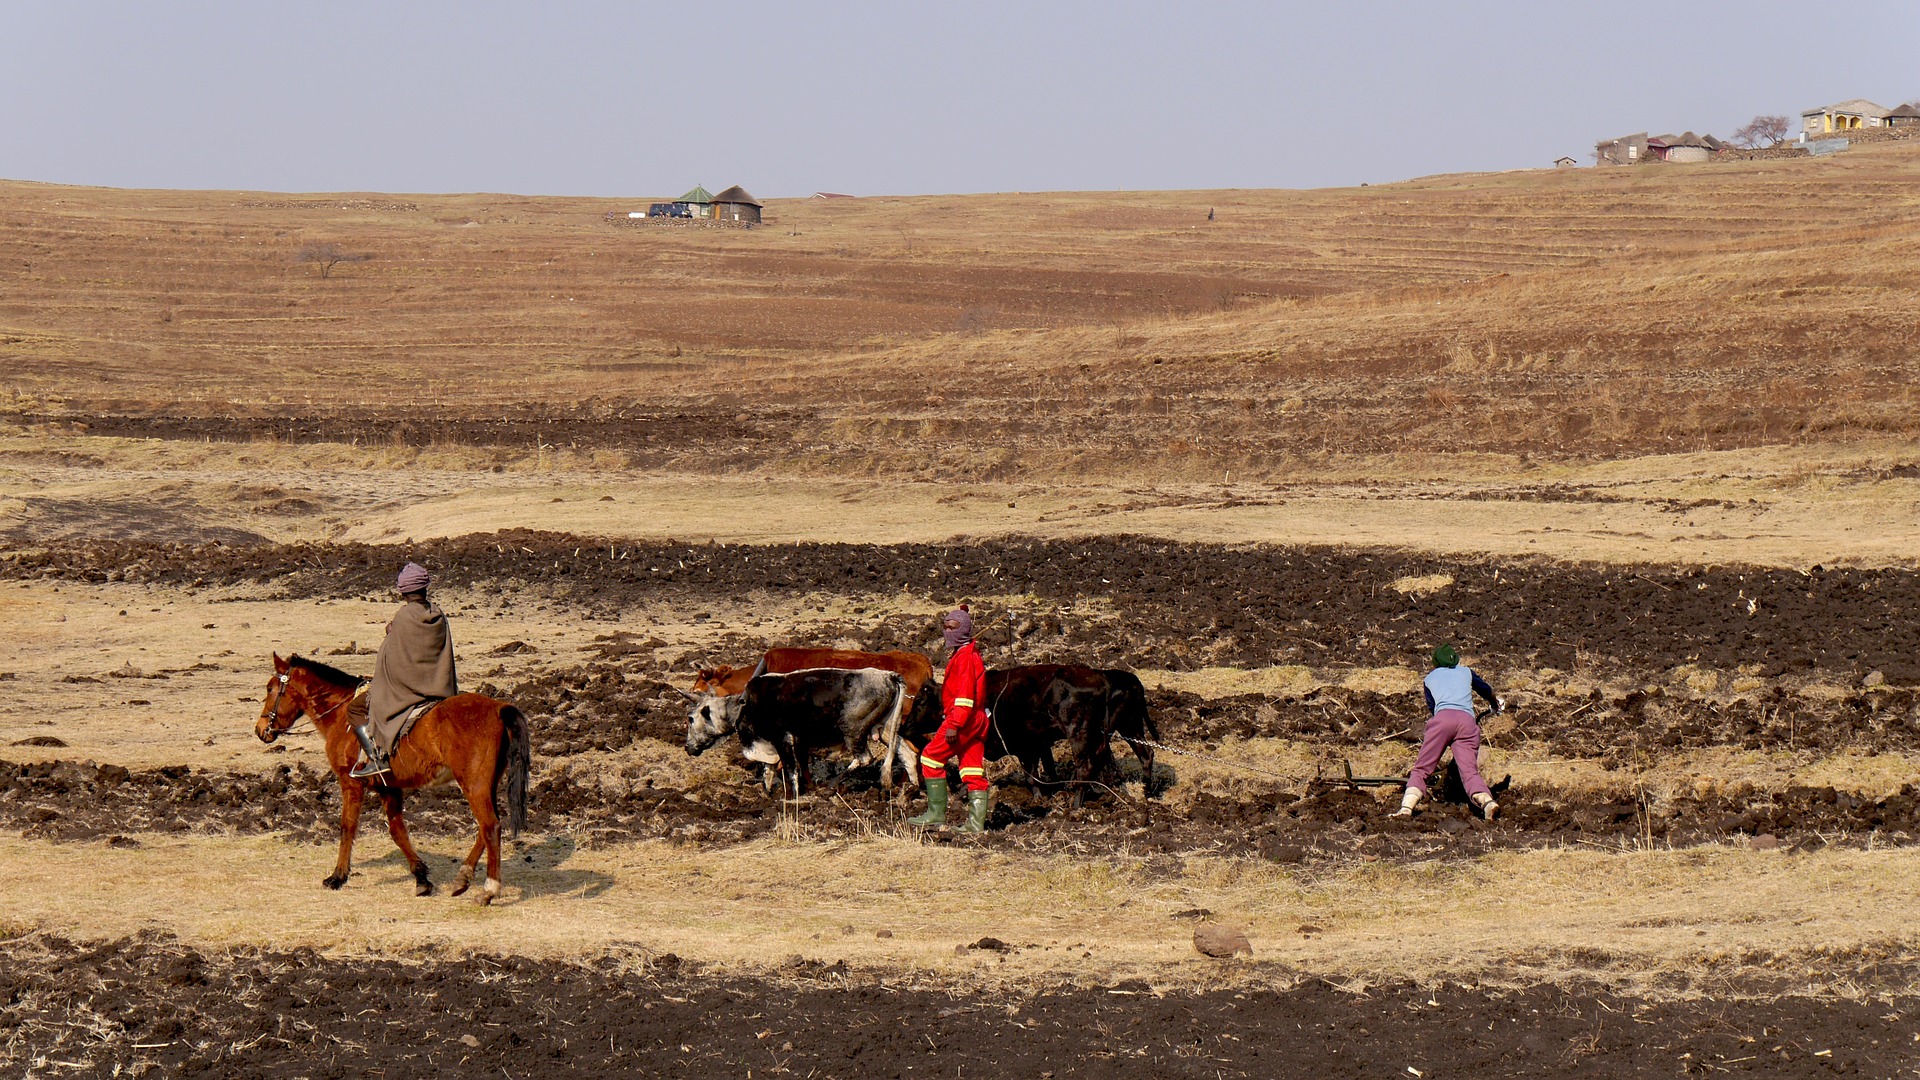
(782, 719)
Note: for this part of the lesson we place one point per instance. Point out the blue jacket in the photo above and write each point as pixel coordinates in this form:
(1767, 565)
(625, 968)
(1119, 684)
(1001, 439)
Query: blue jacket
(1454, 687)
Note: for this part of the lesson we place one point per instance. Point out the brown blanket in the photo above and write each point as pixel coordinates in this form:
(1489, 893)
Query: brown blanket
(415, 665)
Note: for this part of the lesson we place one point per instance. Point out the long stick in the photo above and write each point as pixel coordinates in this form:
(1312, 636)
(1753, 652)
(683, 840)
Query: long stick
(1368, 781)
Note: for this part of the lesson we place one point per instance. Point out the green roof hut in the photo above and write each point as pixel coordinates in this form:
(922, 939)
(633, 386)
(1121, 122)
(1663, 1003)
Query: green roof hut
(698, 202)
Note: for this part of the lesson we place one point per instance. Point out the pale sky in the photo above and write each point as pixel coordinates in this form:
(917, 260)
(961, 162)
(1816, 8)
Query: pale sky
(871, 98)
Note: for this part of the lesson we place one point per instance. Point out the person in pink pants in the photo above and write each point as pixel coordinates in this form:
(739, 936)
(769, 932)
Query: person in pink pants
(1450, 688)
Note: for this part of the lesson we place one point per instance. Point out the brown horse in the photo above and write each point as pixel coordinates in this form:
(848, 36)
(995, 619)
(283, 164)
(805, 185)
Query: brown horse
(469, 739)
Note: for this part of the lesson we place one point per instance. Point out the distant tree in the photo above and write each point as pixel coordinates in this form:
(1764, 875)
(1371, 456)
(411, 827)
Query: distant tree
(1762, 131)
(327, 256)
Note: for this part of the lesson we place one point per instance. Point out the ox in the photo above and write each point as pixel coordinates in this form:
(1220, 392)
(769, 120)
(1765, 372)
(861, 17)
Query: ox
(914, 669)
(781, 719)
(1036, 706)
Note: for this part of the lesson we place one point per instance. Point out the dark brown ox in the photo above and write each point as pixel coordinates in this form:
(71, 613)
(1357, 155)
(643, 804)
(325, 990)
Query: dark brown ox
(1035, 706)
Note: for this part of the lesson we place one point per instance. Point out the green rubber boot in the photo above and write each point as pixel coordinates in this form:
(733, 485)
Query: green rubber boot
(976, 812)
(936, 804)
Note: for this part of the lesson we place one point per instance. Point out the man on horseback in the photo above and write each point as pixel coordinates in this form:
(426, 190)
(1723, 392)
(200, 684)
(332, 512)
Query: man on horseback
(415, 667)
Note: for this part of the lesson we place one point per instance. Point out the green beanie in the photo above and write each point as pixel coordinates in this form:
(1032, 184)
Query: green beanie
(1445, 656)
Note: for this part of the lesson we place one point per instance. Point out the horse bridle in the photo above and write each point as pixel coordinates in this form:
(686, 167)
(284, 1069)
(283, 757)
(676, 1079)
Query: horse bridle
(274, 730)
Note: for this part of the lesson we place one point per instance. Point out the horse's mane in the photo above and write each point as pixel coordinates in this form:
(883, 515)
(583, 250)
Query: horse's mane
(326, 671)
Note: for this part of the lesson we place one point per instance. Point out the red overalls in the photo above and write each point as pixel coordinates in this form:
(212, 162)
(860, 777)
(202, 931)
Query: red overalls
(963, 729)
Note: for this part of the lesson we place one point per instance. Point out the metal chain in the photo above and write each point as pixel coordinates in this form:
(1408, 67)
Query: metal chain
(1146, 781)
(1216, 760)
(1249, 768)
(1012, 640)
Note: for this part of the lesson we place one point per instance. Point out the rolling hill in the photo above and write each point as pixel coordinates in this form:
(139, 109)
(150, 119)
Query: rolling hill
(1581, 314)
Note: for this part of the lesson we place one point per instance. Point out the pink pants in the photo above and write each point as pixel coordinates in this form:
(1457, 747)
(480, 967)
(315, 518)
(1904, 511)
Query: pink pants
(1455, 728)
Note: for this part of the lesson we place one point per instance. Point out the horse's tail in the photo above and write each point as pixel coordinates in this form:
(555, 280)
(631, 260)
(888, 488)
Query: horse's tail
(516, 766)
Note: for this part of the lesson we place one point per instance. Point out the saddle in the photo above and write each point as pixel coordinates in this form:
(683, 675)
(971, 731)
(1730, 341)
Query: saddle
(401, 726)
(408, 719)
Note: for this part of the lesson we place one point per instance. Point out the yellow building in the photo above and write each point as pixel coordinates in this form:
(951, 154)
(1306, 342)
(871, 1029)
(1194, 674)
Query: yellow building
(1844, 116)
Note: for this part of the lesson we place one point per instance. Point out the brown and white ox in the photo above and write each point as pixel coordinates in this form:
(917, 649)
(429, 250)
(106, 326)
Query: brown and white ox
(914, 669)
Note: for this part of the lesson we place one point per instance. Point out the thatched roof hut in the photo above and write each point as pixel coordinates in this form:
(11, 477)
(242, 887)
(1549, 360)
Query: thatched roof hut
(734, 204)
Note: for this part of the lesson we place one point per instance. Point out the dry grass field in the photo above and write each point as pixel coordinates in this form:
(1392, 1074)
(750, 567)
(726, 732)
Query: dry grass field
(1546, 314)
(1642, 440)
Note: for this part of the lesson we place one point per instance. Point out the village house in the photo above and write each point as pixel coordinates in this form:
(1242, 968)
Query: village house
(1687, 147)
(732, 207)
(1844, 116)
(1904, 116)
(734, 204)
(697, 203)
(1634, 149)
(1564, 162)
(1625, 150)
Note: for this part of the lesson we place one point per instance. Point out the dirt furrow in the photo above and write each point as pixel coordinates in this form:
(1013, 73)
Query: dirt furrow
(151, 1004)
(1154, 604)
(72, 801)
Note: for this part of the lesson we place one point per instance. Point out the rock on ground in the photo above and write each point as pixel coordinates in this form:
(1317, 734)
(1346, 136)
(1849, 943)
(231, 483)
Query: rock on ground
(1213, 939)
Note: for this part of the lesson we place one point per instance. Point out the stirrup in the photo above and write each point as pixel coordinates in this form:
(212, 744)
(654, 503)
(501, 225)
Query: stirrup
(372, 762)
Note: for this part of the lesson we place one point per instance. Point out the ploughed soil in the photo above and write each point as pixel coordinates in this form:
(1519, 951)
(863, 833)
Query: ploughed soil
(633, 430)
(1318, 821)
(602, 727)
(1119, 601)
(152, 1006)
(1137, 602)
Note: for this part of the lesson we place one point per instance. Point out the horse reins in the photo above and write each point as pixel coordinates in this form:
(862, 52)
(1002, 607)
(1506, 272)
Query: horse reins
(273, 710)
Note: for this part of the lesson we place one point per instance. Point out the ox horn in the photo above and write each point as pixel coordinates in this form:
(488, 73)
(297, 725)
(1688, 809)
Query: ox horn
(688, 694)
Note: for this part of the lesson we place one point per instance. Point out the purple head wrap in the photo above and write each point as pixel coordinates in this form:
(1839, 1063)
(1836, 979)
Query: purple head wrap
(957, 627)
(413, 578)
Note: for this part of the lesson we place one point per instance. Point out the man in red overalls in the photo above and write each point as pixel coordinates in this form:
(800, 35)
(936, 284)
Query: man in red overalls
(963, 729)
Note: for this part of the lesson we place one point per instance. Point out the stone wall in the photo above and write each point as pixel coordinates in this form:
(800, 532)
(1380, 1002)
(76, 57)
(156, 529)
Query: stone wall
(1858, 136)
(1764, 153)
